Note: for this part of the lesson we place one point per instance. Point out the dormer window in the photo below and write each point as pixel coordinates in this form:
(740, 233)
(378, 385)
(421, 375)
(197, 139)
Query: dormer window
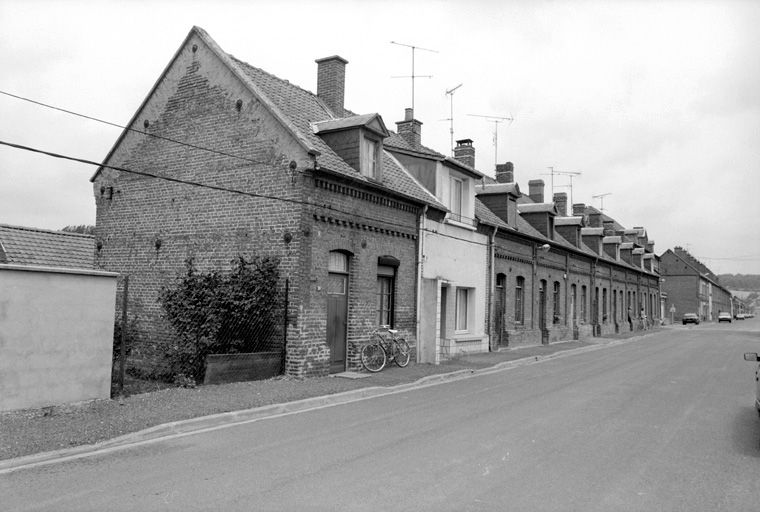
(358, 140)
(369, 158)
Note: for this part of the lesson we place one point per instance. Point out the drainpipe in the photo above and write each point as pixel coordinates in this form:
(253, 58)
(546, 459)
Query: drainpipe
(420, 255)
(489, 291)
(533, 288)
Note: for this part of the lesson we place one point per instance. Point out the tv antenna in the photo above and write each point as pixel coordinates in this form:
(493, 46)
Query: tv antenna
(569, 174)
(495, 120)
(413, 76)
(450, 93)
(601, 198)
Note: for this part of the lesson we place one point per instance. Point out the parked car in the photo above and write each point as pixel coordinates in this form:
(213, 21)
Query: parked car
(752, 356)
(690, 318)
(724, 316)
(739, 316)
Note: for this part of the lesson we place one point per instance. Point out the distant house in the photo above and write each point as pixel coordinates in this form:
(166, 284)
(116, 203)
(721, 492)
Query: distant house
(562, 275)
(691, 287)
(45, 248)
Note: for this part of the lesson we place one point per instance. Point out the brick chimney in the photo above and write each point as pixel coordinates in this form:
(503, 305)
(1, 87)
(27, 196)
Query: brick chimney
(331, 82)
(410, 129)
(536, 190)
(579, 209)
(560, 201)
(465, 152)
(505, 173)
(609, 227)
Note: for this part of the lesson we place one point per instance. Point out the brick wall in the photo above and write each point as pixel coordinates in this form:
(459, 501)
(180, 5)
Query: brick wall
(147, 227)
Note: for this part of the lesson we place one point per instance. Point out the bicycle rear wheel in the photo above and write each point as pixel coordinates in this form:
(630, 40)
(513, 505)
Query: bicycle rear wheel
(373, 357)
(402, 352)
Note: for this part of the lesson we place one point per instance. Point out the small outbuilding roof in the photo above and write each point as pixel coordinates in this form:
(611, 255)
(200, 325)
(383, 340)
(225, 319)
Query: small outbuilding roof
(41, 247)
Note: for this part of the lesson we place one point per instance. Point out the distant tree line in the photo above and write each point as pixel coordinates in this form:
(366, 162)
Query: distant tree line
(740, 281)
(83, 229)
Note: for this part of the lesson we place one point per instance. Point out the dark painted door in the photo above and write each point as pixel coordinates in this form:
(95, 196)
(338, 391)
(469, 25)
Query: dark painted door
(499, 305)
(542, 312)
(337, 314)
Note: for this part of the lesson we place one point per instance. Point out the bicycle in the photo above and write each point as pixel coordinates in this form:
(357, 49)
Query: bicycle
(380, 350)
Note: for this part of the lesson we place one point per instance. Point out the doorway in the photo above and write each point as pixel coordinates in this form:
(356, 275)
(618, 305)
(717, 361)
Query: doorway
(337, 309)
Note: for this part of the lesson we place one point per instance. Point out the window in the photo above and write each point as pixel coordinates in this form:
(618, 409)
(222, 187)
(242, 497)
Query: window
(463, 296)
(337, 267)
(583, 304)
(555, 303)
(456, 199)
(519, 300)
(386, 284)
(604, 305)
(369, 158)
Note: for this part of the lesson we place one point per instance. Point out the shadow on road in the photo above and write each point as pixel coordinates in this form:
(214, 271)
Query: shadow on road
(746, 432)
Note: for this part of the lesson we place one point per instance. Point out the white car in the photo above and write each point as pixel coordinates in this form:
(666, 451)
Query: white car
(752, 356)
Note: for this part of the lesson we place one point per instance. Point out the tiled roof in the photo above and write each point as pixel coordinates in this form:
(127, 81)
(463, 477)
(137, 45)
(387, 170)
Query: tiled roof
(568, 221)
(486, 216)
(303, 108)
(39, 247)
(536, 207)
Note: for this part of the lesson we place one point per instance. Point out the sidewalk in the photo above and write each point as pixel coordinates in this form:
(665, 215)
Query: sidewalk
(73, 429)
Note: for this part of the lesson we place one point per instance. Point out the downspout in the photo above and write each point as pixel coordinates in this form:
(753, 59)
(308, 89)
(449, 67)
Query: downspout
(533, 288)
(489, 291)
(420, 255)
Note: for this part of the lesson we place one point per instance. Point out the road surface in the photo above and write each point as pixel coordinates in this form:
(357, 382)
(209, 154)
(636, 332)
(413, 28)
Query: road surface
(664, 422)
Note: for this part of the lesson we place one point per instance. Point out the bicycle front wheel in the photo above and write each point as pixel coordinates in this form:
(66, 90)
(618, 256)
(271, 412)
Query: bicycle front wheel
(373, 357)
(402, 352)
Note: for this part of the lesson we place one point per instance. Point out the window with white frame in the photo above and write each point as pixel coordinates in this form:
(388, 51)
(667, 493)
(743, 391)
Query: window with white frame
(462, 309)
(369, 158)
(455, 205)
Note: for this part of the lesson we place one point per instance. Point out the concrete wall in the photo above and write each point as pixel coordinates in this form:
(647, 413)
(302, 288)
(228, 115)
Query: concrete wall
(56, 335)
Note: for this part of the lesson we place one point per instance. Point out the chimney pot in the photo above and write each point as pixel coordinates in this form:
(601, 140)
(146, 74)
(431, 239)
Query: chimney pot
(410, 129)
(560, 201)
(465, 152)
(331, 82)
(536, 190)
(505, 173)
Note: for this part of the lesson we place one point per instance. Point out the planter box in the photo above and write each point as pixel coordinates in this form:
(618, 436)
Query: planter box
(223, 368)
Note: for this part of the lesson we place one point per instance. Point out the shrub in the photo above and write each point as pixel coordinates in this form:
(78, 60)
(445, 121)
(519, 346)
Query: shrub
(221, 313)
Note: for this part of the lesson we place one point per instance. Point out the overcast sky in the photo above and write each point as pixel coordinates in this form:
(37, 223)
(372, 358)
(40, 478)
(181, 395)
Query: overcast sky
(657, 104)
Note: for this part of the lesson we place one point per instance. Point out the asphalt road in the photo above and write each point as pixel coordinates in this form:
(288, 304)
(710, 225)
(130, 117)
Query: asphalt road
(665, 422)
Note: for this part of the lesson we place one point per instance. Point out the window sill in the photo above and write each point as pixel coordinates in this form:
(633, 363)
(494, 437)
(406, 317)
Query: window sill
(460, 224)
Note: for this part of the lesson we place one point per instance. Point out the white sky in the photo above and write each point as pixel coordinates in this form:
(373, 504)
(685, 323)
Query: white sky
(655, 103)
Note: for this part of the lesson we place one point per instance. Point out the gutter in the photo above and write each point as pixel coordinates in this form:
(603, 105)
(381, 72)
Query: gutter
(420, 268)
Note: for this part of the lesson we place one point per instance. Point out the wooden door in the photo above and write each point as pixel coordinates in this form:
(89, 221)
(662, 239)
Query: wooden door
(337, 316)
(499, 306)
(337, 310)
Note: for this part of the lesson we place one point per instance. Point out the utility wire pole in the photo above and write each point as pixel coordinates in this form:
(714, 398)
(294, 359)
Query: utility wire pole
(495, 120)
(450, 93)
(569, 174)
(601, 199)
(413, 76)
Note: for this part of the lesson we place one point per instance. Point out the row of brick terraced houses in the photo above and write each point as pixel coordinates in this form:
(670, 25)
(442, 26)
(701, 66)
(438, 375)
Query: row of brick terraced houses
(370, 226)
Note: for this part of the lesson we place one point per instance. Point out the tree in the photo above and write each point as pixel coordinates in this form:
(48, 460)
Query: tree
(83, 229)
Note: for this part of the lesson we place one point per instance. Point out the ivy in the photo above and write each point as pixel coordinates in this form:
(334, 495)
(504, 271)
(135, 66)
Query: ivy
(221, 313)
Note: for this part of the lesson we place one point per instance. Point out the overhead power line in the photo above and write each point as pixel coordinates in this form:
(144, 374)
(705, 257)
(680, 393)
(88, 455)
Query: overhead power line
(225, 189)
(116, 125)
